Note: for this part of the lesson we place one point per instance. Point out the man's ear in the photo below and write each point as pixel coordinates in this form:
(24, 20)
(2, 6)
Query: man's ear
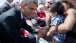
(22, 6)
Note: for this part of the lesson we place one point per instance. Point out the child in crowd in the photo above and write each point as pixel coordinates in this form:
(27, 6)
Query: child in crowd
(57, 11)
(41, 15)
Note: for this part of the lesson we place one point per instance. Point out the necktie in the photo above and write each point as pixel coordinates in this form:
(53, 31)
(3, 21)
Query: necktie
(22, 21)
(24, 33)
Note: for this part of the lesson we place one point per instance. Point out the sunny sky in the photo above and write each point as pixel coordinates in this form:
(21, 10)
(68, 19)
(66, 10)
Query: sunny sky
(2, 1)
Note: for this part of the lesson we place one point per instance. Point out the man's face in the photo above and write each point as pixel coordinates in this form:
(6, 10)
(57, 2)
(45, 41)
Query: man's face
(10, 1)
(48, 2)
(17, 4)
(30, 9)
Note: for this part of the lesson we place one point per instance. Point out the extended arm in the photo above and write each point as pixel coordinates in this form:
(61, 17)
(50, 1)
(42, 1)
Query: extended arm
(68, 22)
(10, 24)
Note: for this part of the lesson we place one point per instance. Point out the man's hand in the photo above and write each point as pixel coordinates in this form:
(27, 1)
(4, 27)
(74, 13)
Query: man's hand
(38, 27)
(52, 31)
(39, 35)
(49, 33)
(42, 31)
(38, 18)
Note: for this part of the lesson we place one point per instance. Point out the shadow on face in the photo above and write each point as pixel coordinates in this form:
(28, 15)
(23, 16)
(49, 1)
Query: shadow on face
(29, 9)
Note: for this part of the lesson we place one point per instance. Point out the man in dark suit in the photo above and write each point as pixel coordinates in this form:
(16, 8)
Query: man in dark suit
(10, 26)
(6, 6)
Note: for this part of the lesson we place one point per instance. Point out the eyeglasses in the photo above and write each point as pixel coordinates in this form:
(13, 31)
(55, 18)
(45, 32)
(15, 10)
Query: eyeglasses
(49, 3)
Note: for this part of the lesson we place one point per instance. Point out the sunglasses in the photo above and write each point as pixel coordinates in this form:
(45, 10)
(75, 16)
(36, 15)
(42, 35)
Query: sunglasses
(49, 3)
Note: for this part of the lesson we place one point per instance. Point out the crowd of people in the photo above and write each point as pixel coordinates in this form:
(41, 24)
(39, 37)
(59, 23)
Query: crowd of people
(28, 22)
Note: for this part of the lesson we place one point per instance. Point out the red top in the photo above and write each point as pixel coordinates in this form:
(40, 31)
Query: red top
(41, 15)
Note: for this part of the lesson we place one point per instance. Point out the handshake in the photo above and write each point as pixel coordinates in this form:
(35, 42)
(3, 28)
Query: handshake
(40, 37)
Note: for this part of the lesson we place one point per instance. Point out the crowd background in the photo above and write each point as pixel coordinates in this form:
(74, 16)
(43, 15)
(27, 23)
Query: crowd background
(32, 21)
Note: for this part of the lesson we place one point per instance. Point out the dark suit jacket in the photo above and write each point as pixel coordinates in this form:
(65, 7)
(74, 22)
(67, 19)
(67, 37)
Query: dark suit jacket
(10, 27)
(5, 7)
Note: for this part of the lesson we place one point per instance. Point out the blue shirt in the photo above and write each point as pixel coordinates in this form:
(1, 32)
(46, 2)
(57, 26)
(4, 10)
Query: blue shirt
(56, 21)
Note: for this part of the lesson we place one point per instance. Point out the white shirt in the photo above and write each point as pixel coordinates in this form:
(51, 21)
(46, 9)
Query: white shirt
(21, 15)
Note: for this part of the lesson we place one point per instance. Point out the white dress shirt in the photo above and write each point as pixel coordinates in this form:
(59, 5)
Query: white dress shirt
(21, 16)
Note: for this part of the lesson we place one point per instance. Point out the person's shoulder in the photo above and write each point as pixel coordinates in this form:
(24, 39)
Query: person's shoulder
(4, 5)
(14, 9)
(9, 12)
(71, 10)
